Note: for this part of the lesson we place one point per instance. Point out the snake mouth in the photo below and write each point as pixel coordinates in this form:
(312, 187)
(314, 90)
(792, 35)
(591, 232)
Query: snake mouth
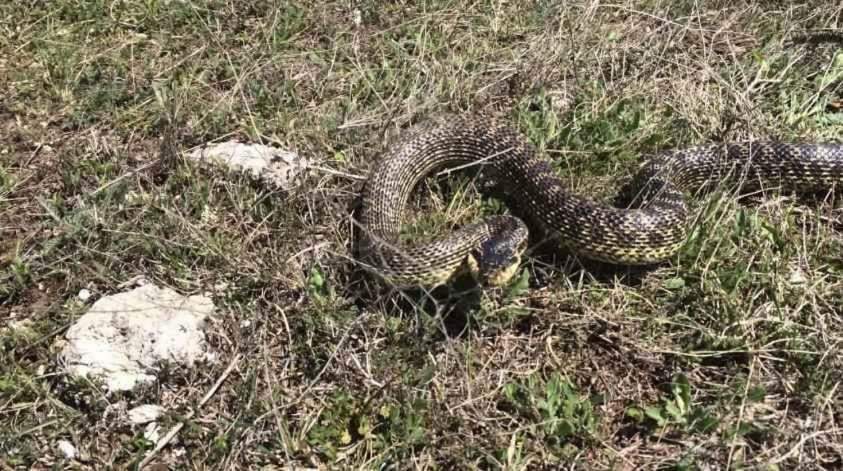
(497, 261)
(501, 276)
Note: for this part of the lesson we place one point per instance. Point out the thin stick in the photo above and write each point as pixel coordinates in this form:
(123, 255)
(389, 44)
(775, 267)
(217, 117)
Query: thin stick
(125, 176)
(172, 433)
(331, 358)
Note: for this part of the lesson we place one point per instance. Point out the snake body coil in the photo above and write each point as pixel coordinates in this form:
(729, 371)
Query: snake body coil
(650, 230)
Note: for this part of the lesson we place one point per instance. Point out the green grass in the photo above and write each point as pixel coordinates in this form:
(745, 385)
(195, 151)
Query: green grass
(726, 356)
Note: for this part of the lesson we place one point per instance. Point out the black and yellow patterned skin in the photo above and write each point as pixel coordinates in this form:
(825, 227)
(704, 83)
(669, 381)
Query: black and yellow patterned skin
(650, 229)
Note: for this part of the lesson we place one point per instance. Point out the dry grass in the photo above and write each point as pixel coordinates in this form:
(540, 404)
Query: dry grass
(726, 357)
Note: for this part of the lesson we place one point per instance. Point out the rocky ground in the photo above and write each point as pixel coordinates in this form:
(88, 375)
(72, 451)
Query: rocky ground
(726, 356)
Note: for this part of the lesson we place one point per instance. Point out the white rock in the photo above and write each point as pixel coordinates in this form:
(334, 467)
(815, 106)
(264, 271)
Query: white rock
(272, 165)
(115, 409)
(123, 337)
(67, 449)
(797, 277)
(84, 295)
(24, 326)
(152, 432)
(144, 414)
(221, 287)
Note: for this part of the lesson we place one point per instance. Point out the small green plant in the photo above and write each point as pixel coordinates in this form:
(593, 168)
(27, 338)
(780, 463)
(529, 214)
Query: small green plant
(813, 104)
(21, 271)
(317, 286)
(676, 410)
(335, 428)
(152, 8)
(347, 420)
(555, 405)
(519, 285)
(749, 428)
(401, 424)
(7, 180)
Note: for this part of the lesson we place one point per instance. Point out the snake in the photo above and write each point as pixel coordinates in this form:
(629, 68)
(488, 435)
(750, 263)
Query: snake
(647, 223)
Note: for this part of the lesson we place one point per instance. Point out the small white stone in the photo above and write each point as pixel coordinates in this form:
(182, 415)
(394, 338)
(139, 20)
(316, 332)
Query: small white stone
(221, 287)
(84, 294)
(144, 414)
(151, 432)
(797, 277)
(67, 449)
(23, 326)
(132, 197)
(209, 216)
(115, 409)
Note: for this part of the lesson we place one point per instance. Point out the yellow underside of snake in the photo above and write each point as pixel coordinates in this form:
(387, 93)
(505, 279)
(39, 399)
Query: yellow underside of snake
(650, 226)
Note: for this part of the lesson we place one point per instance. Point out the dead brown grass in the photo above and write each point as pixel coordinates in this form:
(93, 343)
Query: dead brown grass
(740, 333)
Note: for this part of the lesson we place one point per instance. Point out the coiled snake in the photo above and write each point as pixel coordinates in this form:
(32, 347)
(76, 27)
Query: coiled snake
(651, 228)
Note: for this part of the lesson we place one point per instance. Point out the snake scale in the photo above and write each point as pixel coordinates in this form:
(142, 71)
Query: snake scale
(650, 227)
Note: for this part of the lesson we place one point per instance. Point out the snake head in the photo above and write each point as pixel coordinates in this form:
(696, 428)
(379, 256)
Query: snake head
(498, 257)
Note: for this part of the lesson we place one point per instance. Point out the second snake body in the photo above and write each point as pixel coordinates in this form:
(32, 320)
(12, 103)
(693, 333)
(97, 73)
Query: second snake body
(650, 230)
